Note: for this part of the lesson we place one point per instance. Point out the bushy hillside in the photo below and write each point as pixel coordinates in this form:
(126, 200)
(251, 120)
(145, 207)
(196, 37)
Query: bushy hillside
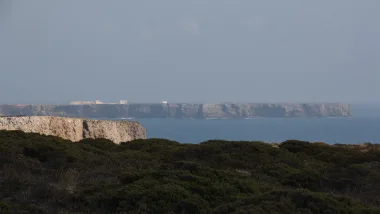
(43, 174)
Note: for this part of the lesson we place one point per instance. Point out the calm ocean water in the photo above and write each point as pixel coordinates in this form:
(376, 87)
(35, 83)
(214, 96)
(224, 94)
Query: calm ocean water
(329, 130)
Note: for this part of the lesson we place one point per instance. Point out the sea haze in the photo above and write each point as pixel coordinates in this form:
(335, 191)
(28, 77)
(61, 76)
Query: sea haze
(330, 130)
(362, 127)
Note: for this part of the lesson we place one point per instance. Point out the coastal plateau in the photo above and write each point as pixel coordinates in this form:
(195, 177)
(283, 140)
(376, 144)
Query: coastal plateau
(181, 110)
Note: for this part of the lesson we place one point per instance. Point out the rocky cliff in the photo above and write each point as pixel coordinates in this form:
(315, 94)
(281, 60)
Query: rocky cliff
(181, 110)
(75, 129)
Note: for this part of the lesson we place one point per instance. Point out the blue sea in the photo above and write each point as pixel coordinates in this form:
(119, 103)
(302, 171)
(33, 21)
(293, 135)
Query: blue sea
(363, 126)
(330, 130)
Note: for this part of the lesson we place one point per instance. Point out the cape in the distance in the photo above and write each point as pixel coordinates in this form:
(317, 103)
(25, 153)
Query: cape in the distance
(179, 110)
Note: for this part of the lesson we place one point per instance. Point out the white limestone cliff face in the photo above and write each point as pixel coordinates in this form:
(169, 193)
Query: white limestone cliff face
(75, 129)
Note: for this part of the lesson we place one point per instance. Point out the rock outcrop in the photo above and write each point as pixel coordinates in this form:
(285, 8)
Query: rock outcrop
(182, 110)
(75, 129)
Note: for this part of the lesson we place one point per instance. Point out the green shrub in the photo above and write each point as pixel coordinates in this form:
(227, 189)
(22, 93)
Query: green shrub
(45, 174)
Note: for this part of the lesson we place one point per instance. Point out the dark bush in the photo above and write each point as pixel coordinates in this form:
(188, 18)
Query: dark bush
(103, 144)
(45, 174)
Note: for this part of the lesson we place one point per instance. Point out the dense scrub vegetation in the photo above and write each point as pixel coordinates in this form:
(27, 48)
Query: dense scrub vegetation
(44, 174)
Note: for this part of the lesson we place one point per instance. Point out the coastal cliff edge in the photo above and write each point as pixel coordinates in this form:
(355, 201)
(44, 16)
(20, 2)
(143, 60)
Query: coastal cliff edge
(75, 129)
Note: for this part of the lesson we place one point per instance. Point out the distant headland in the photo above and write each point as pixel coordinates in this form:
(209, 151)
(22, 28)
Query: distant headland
(164, 109)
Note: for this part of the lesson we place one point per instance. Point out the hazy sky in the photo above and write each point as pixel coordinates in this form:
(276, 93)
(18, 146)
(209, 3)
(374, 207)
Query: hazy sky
(54, 51)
